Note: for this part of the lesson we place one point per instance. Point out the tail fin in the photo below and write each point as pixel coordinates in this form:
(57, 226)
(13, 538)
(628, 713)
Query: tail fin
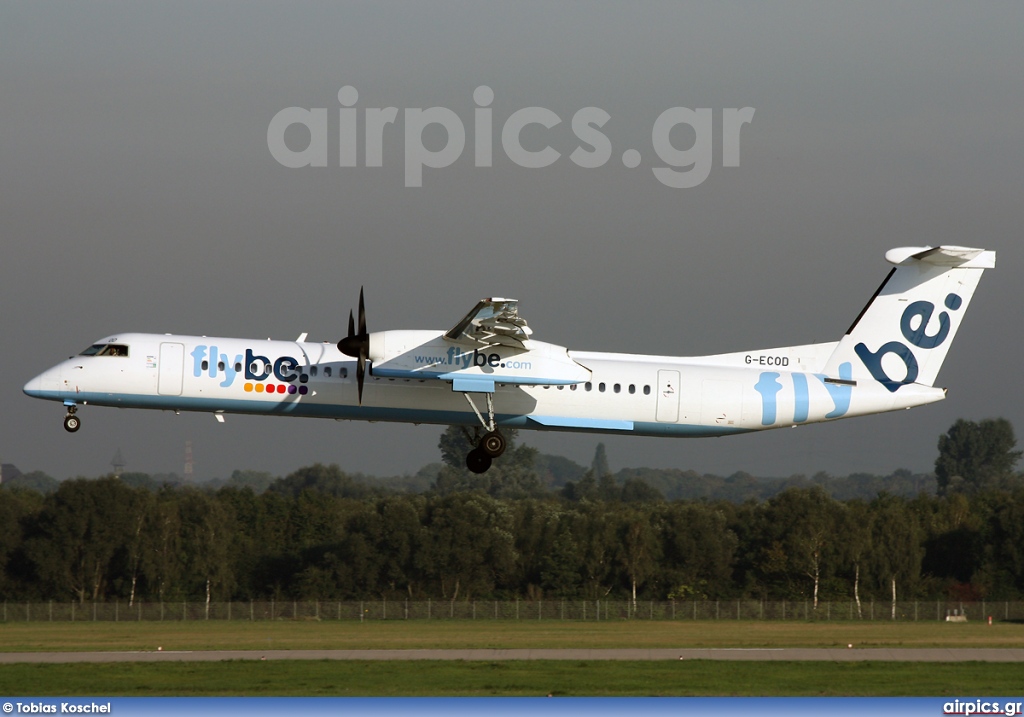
(903, 334)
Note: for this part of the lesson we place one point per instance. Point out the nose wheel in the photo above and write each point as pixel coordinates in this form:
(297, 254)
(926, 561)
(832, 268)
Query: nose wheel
(72, 422)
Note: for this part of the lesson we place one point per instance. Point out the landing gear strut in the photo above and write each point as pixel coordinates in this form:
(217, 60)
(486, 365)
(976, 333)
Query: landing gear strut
(72, 422)
(491, 445)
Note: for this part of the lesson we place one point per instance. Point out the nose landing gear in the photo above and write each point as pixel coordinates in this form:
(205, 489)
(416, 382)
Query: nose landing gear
(72, 422)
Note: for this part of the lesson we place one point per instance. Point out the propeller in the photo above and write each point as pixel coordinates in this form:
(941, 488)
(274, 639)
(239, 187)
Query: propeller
(357, 345)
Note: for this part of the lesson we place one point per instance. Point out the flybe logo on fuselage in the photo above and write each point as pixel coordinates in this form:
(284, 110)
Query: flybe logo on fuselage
(209, 361)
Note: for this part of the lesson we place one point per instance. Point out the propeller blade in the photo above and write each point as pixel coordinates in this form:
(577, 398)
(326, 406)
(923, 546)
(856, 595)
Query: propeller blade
(357, 345)
(362, 314)
(360, 375)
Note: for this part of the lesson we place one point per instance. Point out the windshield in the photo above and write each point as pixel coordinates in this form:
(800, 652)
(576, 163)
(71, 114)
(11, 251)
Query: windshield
(106, 350)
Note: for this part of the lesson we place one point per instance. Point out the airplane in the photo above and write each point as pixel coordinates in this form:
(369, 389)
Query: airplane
(487, 373)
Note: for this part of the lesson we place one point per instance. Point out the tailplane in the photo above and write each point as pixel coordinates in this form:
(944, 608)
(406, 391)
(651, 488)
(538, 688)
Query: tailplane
(902, 335)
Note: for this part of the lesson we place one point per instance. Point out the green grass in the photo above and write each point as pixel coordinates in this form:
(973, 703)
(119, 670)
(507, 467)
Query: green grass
(539, 678)
(447, 634)
(524, 678)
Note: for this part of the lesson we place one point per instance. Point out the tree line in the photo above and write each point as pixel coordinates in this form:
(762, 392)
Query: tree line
(321, 534)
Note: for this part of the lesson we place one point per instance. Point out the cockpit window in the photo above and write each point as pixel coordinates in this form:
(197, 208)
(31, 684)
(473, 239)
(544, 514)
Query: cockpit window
(106, 350)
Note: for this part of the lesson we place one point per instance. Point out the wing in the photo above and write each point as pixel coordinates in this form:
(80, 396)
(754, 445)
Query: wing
(492, 322)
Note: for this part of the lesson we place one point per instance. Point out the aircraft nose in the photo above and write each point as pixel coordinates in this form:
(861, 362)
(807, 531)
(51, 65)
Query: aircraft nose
(45, 385)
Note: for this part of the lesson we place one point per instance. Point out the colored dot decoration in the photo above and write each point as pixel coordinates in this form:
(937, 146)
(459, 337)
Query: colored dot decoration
(276, 388)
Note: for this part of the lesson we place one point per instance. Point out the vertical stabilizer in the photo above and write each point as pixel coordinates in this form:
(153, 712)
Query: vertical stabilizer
(902, 335)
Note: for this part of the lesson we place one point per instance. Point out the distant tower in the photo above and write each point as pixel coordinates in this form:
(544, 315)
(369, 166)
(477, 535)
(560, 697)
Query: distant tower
(188, 461)
(118, 463)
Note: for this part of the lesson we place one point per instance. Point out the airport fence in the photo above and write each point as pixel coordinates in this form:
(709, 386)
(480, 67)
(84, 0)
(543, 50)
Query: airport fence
(579, 610)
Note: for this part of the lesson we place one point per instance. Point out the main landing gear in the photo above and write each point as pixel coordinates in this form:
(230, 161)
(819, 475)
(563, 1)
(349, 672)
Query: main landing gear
(489, 446)
(72, 422)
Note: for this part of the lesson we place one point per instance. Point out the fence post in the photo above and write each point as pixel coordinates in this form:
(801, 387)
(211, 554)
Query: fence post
(428, 608)
(360, 611)
(517, 608)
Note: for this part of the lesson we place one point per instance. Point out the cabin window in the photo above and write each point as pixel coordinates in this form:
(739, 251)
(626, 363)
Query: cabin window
(560, 387)
(572, 387)
(312, 370)
(588, 385)
(205, 364)
(617, 388)
(106, 350)
(327, 371)
(632, 388)
(600, 387)
(647, 390)
(238, 367)
(342, 372)
(220, 365)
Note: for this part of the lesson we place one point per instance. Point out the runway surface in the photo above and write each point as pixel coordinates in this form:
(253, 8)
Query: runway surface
(758, 654)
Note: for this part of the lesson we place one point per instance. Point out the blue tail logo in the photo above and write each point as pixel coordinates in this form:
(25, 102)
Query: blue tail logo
(919, 312)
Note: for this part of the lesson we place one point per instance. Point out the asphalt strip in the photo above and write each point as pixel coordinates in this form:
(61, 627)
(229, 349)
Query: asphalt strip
(797, 654)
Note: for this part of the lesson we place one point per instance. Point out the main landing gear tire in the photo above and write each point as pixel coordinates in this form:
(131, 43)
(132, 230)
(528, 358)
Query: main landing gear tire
(493, 444)
(477, 461)
(72, 423)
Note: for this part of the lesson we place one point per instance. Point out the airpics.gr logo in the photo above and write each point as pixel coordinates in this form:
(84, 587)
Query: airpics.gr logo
(922, 312)
(256, 369)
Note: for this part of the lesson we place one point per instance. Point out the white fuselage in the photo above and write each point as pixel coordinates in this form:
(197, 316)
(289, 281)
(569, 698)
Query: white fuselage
(426, 380)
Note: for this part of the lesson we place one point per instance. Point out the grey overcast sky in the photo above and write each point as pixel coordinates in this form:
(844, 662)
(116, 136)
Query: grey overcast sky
(137, 193)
